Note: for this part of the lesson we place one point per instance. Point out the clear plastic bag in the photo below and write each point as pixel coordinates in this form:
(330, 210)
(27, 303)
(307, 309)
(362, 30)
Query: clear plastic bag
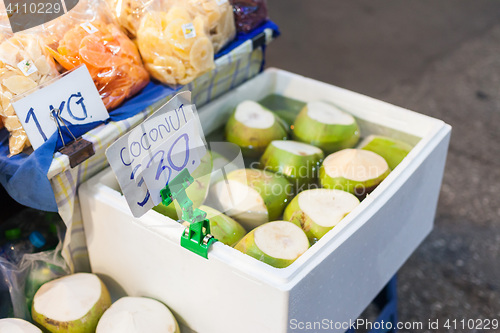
(87, 35)
(24, 65)
(128, 13)
(175, 46)
(19, 283)
(177, 39)
(219, 18)
(249, 14)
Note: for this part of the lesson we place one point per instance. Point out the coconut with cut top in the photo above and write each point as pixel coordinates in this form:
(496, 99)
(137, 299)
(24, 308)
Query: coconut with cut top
(326, 126)
(73, 303)
(15, 325)
(252, 127)
(318, 211)
(353, 170)
(392, 150)
(252, 197)
(221, 165)
(137, 315)
(298, 161)
(222, 227)
(277, 243)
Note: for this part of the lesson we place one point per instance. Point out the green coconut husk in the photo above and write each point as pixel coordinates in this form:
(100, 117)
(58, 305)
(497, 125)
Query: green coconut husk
(318, 211)
(252, 127)
(298, 162)
(392, 150)
(326, 126)
(353, 170)
(66, 293)
(222, 227)
(277, 243)
(252, 197)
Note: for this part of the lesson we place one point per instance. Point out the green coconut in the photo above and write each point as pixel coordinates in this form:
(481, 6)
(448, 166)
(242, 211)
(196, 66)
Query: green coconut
(40, 274)
(318, 211)
(252, 127)
(15, 325)
(298, 161)
(284, 107)
(326, 126)
(137, 314)
(197, 191)
(222, 227)
(252, 197)
(71, 304)
(353, 170)
(392, 150)
(277, 243)
(220, 163)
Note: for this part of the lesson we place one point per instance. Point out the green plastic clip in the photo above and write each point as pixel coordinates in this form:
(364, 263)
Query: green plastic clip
(197, 237)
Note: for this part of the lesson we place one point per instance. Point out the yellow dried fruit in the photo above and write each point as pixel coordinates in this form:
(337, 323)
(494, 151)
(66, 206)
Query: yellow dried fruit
(15, 51)
(202, 54)
(166, 42)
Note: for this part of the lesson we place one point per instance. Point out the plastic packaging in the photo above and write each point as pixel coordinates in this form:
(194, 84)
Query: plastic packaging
(218, 16)
(177, 39)
(28, 232)
(249, 14)
(19, 282)
(24, 65)
(128, 13)
(30, 255)
(87, 35)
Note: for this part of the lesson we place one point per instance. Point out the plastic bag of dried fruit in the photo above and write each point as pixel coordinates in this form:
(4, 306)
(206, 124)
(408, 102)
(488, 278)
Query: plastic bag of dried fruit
(24, 65)
(219, 18)
(249, 14)
(87, 35)
(174, 38)
(128, 13)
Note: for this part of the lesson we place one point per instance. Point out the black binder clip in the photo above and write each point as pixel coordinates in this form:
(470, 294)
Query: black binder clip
(77, 150)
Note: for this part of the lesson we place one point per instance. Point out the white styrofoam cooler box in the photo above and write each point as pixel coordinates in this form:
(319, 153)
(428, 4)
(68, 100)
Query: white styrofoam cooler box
(334, 280)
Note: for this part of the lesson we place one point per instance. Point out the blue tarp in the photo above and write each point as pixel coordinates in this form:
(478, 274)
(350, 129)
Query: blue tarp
(25, 176)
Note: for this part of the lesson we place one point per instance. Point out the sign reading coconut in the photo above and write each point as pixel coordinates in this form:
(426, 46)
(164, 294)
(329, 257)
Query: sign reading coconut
(148, 157)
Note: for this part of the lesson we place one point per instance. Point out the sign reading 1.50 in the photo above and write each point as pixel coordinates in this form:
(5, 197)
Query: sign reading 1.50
(34, 8)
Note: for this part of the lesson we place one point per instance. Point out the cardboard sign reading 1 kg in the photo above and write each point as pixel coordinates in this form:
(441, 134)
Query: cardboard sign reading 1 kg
(74, 94)
(129, 153)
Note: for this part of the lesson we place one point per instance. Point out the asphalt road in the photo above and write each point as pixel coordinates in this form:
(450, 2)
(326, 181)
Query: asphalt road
(440, 58)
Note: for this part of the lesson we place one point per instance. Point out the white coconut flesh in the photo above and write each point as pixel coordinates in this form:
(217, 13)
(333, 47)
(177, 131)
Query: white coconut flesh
(327, 207)
(355, 164)
(296, 148)
(328, 114)
(69, 298)
(281, 240)
(137, 315)
(15, 325)
(253, 115)
(240, 201)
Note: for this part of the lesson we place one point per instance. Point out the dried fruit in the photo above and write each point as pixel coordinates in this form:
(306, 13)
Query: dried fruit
(174, 45)
(27, 52)
(111, 58)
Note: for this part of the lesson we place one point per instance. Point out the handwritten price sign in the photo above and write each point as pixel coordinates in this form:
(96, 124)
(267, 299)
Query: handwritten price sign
(148, 157)
(74, 94)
